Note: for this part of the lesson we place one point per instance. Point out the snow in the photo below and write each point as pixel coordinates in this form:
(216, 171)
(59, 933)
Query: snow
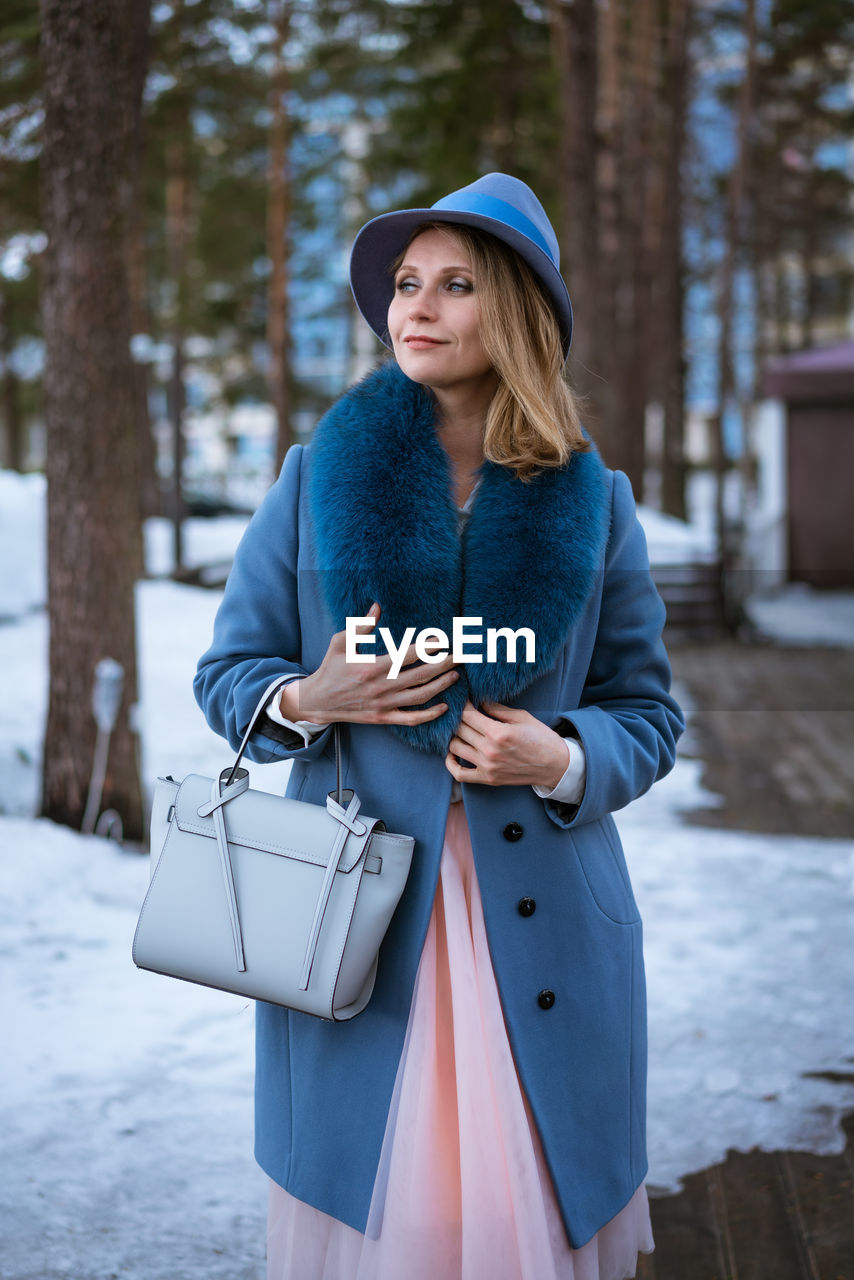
(204, 542)
(126, 1106)
(127, 1097)
(800, 614)
(672, 541)
(22, 540)
(750, 971)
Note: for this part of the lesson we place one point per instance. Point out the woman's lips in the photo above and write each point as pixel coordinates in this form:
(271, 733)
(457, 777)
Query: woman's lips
(418, 342)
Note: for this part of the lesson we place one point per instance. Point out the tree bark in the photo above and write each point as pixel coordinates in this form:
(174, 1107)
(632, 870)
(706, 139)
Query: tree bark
(640, 172)
(609, 228)
(90, 83)
(671, 370)
(278, 218)
(149, 489)
(573, 39)
(13, 418)
(620, 161)
(177, 213)
(733, 243)
(809, 241)
(733, 236)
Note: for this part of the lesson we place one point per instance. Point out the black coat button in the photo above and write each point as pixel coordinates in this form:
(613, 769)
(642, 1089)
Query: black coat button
(513, 831)
(546, 999)
(526, 906)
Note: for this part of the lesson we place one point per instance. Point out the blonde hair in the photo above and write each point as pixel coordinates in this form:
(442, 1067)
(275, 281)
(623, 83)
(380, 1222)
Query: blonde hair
(533, 421)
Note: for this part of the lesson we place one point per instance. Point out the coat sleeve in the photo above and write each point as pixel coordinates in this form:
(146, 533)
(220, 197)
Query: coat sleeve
(257, 628)
(627, 721)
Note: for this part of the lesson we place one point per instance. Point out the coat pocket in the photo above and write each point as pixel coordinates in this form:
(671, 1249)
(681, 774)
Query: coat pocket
(600, 855)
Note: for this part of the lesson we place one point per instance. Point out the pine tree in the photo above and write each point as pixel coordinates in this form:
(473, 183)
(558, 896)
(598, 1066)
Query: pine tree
(20, 106)
(90, 52)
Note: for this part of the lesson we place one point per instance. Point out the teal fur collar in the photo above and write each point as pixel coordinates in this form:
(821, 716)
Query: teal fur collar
(386, 529)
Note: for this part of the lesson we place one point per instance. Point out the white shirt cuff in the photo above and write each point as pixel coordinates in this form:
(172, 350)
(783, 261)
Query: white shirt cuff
(570, 789)
(305, 728)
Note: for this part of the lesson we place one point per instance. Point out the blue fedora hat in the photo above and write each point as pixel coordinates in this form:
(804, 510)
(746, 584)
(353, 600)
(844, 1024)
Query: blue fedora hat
(498, 203)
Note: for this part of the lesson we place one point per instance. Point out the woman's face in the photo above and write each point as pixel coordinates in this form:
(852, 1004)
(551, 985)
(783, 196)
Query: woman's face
(434, 316)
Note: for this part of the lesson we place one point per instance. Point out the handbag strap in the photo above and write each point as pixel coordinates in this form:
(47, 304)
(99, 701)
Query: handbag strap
(347, 822)
(279, 683)
(225, 788)
(221, 793)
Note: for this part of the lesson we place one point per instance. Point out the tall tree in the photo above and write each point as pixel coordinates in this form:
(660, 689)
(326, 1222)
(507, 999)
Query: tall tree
(20, 109)
(140, 314)
(670, 366)
(621, 104)
(574, 44)
(733, 239)
(205, 170)
(90, 52)
(462, 88)
(278, 219)
(799, 195)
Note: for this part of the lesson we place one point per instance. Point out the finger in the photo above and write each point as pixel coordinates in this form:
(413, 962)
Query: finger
(412, 695)
(464, 750)
(420, 716)
(476, 719)
(452, 766)
(469, 735)
(364, 624)
(375, 610)
(499, 711)
(413, 670)
(462, 773)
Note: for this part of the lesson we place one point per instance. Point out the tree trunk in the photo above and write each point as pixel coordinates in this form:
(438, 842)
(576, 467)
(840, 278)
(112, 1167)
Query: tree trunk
(149, 489)
(278, 217)
(671, 368)
(733, 237)
(807, 258)
(573, 40)
(177, 196)
(765, 251)
(609, 228)
(13, 419)
(90, 84)
(641, 226)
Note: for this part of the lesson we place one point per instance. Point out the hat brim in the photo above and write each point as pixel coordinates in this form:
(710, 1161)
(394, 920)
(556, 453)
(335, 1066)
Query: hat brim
(382, 239)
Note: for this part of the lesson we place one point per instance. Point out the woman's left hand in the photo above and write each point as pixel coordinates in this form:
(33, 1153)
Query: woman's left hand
(508, 747)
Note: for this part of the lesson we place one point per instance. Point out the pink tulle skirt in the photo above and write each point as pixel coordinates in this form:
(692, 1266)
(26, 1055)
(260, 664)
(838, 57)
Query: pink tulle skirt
(462, 1191)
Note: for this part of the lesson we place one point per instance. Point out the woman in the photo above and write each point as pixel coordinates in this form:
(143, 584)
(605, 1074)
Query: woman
(484, 1117)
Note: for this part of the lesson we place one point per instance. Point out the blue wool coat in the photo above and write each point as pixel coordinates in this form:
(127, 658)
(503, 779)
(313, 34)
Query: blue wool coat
(365, 512)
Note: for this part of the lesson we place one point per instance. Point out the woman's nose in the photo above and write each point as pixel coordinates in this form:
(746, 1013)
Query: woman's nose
(422, 307)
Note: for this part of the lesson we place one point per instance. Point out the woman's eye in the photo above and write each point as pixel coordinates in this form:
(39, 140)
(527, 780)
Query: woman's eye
(460, 286)
(405, 286)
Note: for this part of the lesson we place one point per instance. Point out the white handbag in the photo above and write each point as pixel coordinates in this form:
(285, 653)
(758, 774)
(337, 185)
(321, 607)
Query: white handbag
(269, 897)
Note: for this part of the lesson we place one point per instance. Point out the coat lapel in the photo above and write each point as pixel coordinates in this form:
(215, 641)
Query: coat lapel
(386, 529)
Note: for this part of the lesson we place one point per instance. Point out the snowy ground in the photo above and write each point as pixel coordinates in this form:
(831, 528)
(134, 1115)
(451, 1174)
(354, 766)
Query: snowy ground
(799, 614)
(126, 1100)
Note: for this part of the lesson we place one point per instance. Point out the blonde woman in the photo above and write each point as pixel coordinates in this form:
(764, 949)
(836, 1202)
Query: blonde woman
(484, 1117)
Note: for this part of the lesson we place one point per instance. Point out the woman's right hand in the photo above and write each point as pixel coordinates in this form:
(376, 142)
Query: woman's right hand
(363, 692)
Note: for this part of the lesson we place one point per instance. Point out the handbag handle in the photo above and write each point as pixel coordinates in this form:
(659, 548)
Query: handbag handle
(224, 789)
(278, 683)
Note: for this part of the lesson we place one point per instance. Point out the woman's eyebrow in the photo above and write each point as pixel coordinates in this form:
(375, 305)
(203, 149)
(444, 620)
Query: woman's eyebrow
(448, 271)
